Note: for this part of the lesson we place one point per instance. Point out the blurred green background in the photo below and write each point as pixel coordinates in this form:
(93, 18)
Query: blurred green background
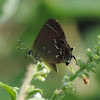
(23, 19)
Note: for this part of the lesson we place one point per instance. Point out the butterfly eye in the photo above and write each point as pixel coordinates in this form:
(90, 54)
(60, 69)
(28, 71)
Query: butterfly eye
(29, 52)
(71, 49)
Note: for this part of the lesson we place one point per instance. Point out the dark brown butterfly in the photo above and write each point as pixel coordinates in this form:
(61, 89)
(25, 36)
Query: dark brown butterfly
(50, 46)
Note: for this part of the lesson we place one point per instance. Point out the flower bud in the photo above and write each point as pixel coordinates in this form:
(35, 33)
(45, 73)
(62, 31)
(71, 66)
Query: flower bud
(37, 95)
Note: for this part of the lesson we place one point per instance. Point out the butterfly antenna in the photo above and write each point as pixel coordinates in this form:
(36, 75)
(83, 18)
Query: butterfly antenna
(26, 47)
(21, 48)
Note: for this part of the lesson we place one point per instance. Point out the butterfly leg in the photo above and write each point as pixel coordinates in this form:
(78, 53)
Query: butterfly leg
(74, 59)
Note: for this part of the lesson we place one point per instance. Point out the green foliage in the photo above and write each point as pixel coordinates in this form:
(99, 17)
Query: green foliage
(13, 91)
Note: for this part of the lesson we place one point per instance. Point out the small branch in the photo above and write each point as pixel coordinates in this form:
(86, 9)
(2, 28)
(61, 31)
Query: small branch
(70, 80)
(76, 74)
(26, 83)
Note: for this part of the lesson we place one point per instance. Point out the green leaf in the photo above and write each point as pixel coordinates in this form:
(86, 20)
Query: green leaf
(79, 62)
(84, 73)
(31, 90)
(97, 50)
(71, 71)
(65, 79)
(40, 66)
(13, 91)
(89, 54)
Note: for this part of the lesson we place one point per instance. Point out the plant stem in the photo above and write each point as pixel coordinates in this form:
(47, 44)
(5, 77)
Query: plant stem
(26, 83)
(53, 97)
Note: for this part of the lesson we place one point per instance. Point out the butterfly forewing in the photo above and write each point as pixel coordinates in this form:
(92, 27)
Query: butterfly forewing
(55, 26)
(49, 31)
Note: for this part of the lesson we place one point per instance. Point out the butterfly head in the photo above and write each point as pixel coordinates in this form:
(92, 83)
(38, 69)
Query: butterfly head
(29, 52)
(35, 58)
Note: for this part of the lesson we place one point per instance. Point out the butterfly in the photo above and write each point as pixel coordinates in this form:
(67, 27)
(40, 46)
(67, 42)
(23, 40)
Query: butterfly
(50, 45)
